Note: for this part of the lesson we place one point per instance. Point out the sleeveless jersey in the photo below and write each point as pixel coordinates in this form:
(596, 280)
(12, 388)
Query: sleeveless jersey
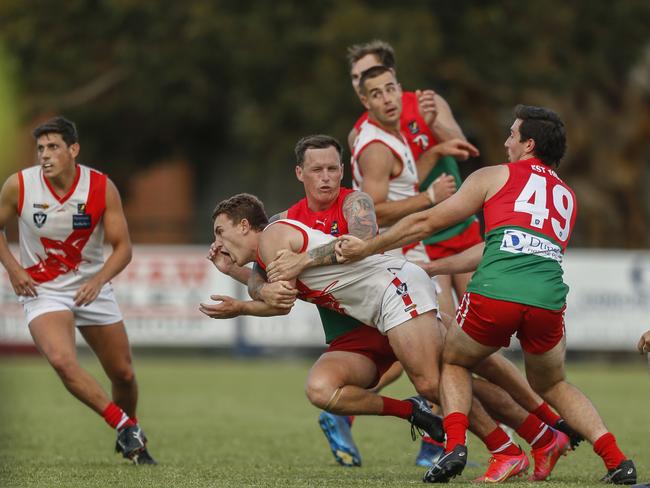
(420, 138)
(330, 221)
(354, 289)
(412, 125)
(528, 223)
(402, 186)
(61, 238)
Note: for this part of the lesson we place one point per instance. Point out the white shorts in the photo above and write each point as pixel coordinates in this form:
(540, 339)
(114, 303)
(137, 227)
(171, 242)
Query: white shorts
(412, 293)
(102, 311)
(415, 254)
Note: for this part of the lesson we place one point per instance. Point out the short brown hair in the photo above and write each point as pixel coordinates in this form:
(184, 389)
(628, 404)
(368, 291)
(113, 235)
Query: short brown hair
(316, 141)
(381, 49)
(370, 73)
(243, 206)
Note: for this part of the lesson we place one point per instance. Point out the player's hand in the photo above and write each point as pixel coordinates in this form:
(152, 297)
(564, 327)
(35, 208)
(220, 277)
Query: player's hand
(225, 308)
(280, 294)
(287, 265)
(427, 105)
(444, 186)
(22, 283)
(221, 259)
(87, 292)
(349, 248)
(456, 148)
(644, 343)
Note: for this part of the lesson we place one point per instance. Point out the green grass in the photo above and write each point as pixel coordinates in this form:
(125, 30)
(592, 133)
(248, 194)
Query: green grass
(214, 422)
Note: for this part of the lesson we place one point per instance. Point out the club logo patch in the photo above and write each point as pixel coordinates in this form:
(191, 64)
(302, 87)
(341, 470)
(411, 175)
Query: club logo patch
(413, 127)
(402, 289)
(81, 208)
(39, 219)
(334, 229)
(82, 221)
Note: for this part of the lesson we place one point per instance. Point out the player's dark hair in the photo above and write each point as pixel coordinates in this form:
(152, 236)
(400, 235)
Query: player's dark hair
(383, 51)
(243, 206)
(317, 141)
(58, 125)
(370, 73)
(547, 130)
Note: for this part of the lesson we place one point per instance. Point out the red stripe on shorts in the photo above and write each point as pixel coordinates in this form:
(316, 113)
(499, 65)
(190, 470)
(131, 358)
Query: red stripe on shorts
(406, 298)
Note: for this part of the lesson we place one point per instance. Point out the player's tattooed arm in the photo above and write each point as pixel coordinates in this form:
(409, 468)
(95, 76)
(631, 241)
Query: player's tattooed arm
(359, 211)
(256, 281)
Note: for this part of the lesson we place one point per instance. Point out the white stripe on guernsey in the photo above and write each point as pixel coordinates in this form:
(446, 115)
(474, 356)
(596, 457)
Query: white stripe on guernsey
(532, 444)
(122, 421)
(502, 448)
(465, 310)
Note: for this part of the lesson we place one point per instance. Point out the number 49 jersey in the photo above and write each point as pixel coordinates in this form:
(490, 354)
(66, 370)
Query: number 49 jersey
(528, 223)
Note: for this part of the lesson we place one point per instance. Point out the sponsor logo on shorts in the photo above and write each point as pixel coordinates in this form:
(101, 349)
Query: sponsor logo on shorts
(410, 307)
(518, 242)
(39, 219)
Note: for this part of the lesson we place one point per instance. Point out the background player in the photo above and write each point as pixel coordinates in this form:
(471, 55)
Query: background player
(64, 212)
(426, 120)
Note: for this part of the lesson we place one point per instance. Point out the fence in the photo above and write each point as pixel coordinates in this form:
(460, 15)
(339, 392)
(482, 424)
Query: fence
(159, 293)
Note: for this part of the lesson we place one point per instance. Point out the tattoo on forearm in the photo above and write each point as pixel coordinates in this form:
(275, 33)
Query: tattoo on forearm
(359, 211)
(323, 255)
(256, 281)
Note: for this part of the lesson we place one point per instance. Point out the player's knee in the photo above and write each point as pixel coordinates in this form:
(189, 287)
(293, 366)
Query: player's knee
(427, 387)
(319, 391)
(65, 366)
(124, 375)
(543, 385)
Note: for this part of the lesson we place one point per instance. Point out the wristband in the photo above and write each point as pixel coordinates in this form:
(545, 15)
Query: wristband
(431, 194)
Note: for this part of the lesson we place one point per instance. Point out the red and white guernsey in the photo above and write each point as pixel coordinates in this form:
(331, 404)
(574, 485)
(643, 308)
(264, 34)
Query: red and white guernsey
(401, 186)
(61, 238)
(354, 289)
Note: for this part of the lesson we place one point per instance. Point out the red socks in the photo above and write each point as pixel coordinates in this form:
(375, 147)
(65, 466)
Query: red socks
(535, 432)
(116, 418)
(547, 415)
(397, 408)
(455, 425)
(498, 442)
(606, 447)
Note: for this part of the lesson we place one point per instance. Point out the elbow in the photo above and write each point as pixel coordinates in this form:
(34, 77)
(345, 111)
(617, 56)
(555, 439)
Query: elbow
(128, 254)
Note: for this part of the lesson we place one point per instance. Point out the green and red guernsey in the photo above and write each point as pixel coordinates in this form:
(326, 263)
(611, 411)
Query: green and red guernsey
(528, 224)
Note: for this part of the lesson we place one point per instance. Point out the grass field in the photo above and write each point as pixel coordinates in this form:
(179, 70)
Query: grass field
(218, 423)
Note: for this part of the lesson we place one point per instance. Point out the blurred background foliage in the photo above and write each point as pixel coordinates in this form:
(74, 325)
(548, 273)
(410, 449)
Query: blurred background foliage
(226, 88)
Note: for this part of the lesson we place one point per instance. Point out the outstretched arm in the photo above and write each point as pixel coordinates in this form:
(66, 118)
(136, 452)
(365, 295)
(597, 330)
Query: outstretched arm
(467, 201)
(229, 307)
(463, 262)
